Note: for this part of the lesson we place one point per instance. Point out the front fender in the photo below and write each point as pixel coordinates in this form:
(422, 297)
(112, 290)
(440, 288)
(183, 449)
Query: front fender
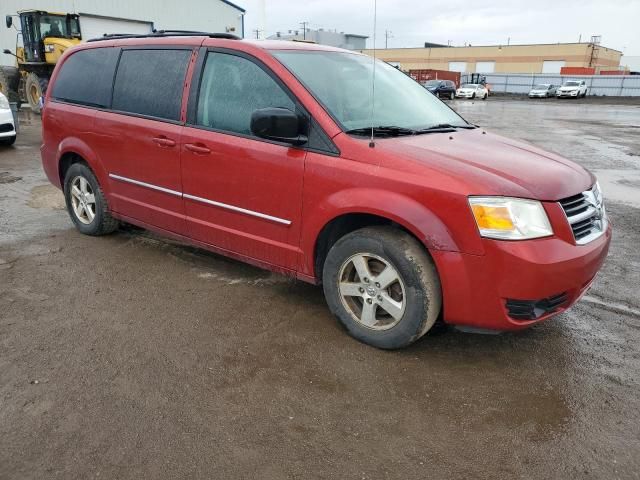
(405, 211)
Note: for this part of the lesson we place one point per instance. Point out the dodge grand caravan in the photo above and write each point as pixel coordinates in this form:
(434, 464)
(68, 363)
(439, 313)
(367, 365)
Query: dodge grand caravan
(271, 152)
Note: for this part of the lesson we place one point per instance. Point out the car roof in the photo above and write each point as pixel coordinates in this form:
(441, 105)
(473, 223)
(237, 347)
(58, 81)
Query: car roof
(210, 40)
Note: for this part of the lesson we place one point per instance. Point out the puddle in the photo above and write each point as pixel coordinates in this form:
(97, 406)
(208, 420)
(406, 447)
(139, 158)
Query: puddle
(6, 177)
(46, 196)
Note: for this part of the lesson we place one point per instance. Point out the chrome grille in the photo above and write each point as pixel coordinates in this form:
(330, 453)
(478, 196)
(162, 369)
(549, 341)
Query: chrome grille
(586, 215)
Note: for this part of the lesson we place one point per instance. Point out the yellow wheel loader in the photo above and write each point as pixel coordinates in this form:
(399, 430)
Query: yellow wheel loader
(40, 41)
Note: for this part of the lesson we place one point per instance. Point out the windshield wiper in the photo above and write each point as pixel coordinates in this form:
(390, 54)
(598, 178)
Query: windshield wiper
(382, 131)
(444, 127)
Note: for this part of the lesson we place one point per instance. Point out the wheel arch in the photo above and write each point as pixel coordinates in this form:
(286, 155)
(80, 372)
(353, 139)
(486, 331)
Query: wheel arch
(73, 150)
(390, 209)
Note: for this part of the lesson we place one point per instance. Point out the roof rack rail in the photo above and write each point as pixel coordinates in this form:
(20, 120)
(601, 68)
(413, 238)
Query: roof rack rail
(164, 33)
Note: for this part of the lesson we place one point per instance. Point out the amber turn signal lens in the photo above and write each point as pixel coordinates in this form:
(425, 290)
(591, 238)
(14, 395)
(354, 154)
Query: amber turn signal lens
(492, 217)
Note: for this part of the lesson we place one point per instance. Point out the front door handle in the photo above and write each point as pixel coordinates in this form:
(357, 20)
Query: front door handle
(164, 141)
(198, 148)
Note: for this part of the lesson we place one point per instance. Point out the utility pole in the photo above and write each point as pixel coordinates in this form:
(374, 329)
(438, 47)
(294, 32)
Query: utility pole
(257, 32)
(387, 35)
(304, 29)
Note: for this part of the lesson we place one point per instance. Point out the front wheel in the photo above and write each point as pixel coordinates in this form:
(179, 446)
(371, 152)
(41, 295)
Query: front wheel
(485, 96)
(86, 203)
(452, 96)
(473, 96)
(383, 287)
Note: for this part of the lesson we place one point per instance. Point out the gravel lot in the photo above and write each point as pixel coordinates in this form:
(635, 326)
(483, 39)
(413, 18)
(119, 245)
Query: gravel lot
(130, 356)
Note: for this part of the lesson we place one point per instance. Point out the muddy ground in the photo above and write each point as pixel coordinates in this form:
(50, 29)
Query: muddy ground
(129, 356)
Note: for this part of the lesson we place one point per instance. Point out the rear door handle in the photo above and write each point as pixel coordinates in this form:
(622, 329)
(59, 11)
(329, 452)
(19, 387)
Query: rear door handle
(198, 148)
(164, 141)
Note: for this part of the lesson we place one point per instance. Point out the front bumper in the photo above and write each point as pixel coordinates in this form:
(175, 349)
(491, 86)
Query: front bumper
(476, 288)
(537, 95)
(574, 93)
(7, 126)
(464, 95)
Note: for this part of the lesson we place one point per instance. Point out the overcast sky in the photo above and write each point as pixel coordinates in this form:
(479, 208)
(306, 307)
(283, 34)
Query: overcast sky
(483, 22)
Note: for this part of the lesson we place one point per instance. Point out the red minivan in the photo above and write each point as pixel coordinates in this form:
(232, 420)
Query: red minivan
(282, 155)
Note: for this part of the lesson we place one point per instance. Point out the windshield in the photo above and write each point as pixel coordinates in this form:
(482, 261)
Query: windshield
(56, 26)
(572, 84)
(469, 85)
(342, 83)
(432, 83)
(541, 87)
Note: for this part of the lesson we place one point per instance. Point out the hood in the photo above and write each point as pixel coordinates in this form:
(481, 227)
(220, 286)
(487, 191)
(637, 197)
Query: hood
(492, 165)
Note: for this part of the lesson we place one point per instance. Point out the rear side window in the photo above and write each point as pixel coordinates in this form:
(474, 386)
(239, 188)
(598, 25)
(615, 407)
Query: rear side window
(232, 88)
(150, 82)
(86, 77)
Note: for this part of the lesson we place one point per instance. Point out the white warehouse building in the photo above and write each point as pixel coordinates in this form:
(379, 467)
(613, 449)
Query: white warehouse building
(98, 17)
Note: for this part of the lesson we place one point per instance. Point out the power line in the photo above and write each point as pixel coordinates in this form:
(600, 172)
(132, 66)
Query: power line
(387, 35)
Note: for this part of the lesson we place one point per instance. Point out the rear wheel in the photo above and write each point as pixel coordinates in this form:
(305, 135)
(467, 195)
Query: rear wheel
(86, 203)
(34, 87)
(383, 287)
(9, 81)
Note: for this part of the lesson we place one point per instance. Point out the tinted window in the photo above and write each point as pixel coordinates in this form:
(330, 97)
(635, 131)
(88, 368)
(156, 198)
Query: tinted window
(86, 77)
(149, 82)
(232, 88)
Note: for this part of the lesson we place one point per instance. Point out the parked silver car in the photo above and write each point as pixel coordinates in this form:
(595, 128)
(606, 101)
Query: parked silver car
(544, 90)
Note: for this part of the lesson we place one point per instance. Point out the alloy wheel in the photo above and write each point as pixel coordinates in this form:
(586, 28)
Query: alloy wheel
(372, 291)
(83, 200)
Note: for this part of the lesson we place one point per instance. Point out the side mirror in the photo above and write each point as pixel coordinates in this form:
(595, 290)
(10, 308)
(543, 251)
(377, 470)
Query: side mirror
(7, 51)
(8, 20)
(279, 124)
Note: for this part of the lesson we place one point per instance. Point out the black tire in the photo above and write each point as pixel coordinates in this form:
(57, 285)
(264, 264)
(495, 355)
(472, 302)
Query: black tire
(473, 95)
(452, 96)
(422, 297)
(102, 223)
(35, 87)
(8, 141)
(485, 96)
(9, 81)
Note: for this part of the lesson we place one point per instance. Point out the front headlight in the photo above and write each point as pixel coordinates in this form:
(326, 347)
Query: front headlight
(4, 103)
(504, 218)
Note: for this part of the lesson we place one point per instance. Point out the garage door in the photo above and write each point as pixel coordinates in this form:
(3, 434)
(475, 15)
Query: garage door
(485, 67)
(458, 67)
(552, 66)
(93, 27)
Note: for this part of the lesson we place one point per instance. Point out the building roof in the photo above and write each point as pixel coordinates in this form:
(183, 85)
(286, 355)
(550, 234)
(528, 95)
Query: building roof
(231, 4)
(502, 45)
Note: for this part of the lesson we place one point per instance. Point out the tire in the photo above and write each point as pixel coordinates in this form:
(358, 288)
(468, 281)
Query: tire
(485, 96)
(9, 81)
(8, 141)
(452, 96)
(34, 88)
(94, 217)
(473, 95)
(414, 295)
